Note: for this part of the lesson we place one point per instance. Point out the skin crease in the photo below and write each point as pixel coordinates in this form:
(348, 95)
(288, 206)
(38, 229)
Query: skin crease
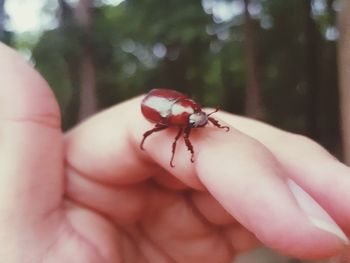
(92, 195)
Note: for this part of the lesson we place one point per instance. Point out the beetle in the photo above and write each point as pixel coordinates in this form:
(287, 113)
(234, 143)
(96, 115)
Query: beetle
(169, 108)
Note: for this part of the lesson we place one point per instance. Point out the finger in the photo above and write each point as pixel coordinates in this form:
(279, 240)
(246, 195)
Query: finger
(241, 239)
(30, 152)
(175, 227)
(308, 164)
(211, 209)
(106, 148)
(238, 171)
(262, 163)
(104, 157)
(123, 205)
(170, 182)
(249, 183)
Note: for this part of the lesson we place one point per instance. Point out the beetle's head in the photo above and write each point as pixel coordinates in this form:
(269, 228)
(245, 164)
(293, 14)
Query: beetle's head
(198, 119)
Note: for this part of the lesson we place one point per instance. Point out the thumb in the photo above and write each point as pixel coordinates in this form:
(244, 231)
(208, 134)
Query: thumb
(30, 144)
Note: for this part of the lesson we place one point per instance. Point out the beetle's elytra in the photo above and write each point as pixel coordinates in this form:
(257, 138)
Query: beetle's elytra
(169, 108)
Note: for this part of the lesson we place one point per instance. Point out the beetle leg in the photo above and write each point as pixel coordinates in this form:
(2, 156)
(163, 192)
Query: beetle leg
(216, 110)
(217, 124)
(156, 128)
(174, 147)
(188, 142)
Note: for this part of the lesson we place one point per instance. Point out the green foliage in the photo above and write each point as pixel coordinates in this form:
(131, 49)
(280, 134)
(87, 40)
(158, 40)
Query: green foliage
(140, 45)
(56, 57)
(6, 37)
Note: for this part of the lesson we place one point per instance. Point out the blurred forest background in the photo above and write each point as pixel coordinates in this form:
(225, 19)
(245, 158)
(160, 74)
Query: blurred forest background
(268, 59)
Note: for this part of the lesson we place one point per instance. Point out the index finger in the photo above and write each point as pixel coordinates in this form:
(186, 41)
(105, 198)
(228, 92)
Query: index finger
(106, 147)
(237, 170)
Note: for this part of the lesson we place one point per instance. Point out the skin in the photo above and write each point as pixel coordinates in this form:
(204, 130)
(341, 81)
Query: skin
(92, 195)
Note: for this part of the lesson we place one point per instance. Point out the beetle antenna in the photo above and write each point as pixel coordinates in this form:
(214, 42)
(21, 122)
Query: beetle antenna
(216, 110)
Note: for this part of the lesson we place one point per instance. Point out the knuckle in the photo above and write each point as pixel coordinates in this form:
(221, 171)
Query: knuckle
(47, 120)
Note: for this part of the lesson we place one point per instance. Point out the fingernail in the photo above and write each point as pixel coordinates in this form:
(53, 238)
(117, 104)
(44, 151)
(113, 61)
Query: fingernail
(316, 214)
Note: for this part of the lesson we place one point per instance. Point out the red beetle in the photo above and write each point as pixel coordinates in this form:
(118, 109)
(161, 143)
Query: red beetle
(170, 108)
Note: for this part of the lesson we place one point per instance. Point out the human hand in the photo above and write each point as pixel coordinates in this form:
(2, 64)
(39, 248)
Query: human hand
(93, 196)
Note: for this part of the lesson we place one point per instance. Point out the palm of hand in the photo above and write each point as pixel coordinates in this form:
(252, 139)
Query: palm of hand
(148, 216)
(155, 225)
(93, 196)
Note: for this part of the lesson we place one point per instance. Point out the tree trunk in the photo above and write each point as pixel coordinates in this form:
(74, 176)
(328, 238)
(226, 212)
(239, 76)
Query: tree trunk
(344, 76)
(65, 13)
(88, 99)
(253, 93)
(311, 72)
(2, 18)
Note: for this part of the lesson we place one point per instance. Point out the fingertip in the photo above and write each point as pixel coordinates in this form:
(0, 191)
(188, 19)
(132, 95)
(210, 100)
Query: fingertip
(300, 238)
(249, 183)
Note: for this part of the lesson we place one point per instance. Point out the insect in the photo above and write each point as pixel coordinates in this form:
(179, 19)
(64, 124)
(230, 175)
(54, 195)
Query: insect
(169, 108)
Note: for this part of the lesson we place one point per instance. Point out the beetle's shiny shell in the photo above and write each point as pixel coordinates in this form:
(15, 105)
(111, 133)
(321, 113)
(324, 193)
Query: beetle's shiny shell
(168, 107)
